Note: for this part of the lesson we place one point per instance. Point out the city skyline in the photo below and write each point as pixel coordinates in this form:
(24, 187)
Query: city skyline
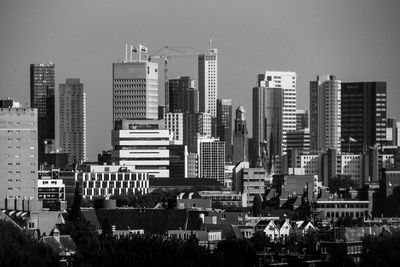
(311, 42)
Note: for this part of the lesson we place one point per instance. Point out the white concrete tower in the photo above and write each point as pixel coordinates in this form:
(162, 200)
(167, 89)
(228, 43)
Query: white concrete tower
(208, 82)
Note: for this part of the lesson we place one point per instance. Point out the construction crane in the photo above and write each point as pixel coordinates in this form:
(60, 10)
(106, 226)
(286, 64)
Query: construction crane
(168, 52)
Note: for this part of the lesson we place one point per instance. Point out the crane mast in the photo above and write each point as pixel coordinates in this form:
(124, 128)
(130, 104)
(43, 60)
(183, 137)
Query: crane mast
(168, 52)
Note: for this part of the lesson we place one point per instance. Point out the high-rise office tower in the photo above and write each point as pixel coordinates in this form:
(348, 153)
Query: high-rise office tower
(191, 104)
(18, 156)
(287, 81)
(135, 90)
(267, 123)
(363, 115)
(325, 113)
(43, 98)
(301, 119)
(72, 108)
(208, 82)
(178, 100)
(224, 125)
(240, 138)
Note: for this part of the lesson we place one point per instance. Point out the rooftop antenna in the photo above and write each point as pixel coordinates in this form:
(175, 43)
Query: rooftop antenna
(209, 44)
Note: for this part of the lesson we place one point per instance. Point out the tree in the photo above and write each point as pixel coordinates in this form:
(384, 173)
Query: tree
(106, 228)
(75, 210)
(257, 203)
(382, 250)
(80, 230)
(340, 181)
(17, 249)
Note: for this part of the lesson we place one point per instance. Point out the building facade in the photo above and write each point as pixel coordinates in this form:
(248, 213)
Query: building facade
(325, 113)
(182, 96)
(240, 138)
(224, 125)
(208, 82)
(42, 94)
(72, 114)
(285, 80)
(211, 158)
(194, 124)
(174, 123)
(299, 140)
(135, 90)
(301, 119)
(18, 156)
(113, 180)
(51, 191)
(142, 144)
(363, 114)
(267, 123)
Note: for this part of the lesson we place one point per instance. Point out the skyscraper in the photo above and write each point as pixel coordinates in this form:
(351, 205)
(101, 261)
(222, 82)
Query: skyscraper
(325, 113)
(42, 95)
(18, 154)
(363, 115)
(72, 110)
(178, 102)
(208, 82)
(287, 81)
(240, 138)
(135, 90)
(224, 125)
(267, 123)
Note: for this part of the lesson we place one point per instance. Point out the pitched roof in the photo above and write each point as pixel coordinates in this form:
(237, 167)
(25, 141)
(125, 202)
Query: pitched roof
(62, 244)
(90, 215)
(153, 221)
(228, 230)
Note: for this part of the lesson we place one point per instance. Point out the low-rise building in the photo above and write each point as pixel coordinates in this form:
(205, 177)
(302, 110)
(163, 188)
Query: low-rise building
(335, 209)
(206, 238)
(51, 191)
(226, 198)
(103, 180)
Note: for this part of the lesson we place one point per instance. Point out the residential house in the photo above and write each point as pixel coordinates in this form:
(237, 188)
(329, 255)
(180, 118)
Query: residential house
(62, 245)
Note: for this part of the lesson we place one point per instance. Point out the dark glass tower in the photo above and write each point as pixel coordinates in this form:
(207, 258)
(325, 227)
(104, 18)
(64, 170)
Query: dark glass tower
(267, 125)
(224, 125)
(43, 98)
(363, 115)
(182, 97)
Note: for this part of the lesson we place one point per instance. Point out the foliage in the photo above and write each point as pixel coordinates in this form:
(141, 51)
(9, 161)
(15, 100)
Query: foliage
(260, 240)
(236, 253)
(340, 181)
(381, 250)
(17, 249)
(80, 230)
(257, 203)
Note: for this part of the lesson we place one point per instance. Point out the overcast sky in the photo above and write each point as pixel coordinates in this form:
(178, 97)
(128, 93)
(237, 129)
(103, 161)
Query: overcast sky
(357, 40)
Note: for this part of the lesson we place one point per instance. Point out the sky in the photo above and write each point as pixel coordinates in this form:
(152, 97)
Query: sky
(356, 40)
